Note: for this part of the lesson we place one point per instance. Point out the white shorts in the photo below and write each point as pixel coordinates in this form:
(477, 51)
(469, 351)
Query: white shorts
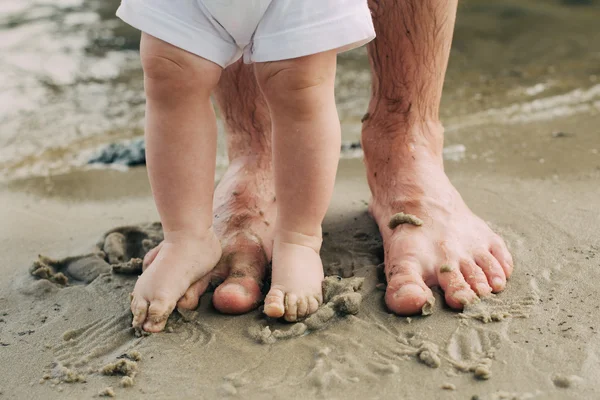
(260, 30)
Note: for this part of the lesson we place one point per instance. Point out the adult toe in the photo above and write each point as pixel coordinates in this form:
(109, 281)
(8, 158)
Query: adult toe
(500, 251)
(406, 292)
(191, 297)
(475, 277)
(237, 295)
(492, 270)
(241, 291)
(457, 291)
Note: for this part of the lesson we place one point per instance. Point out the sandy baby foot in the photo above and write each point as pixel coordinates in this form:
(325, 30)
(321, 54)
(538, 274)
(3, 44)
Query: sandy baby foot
(297, 277)
(180, 261)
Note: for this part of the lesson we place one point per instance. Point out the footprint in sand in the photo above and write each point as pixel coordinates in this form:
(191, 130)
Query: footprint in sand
(120, 249)
(472, 349)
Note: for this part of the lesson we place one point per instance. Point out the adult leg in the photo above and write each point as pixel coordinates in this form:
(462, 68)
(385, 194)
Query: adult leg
(244, 203)
(181, 135)
(306, 147)
(403, 142)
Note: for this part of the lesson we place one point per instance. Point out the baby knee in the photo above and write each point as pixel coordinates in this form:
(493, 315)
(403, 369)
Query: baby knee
(278, 79)
(292, 83)
(168, 74)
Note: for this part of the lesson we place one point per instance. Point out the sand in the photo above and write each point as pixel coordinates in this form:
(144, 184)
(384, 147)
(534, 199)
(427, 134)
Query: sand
(70, 338)
(401, 218)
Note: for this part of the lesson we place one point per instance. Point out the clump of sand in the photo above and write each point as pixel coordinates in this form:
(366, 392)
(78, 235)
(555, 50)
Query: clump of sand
(428, 306)
(45, 268)
(66, 375)
(131, 267)
(84, 268)
(401, 218)
(107, 392)
(123, 367)
(126, 365)
(425, 351)
(127, 381)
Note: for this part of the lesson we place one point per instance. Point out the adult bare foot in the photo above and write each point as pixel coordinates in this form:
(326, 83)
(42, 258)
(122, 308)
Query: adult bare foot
(296, 284)
(403, 141)
(178, 263)
(453, 248)
(245, 211)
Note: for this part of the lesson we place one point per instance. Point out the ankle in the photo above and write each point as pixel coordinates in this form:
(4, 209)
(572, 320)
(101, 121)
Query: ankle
(403, 141)
(195, 235)
(293, 237)
(262, 162)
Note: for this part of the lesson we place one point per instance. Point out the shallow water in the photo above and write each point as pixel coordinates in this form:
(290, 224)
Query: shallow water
(70, 77)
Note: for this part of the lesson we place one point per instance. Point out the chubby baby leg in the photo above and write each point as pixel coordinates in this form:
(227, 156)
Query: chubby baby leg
(181, 150)
(306, 146)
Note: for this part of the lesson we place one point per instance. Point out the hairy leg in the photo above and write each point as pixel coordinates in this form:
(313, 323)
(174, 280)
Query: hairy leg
(181, 147)
(244, 201)
(306, 143)
(403, 142)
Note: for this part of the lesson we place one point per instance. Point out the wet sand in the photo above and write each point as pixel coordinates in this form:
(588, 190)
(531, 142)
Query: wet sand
(522, 109)
(538, 339)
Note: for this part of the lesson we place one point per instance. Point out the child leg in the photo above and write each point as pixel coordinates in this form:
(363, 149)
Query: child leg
(181, 150)
(306, 147)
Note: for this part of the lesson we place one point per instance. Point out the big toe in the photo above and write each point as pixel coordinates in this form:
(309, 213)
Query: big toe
(409, 298)
(237, 295)
(274, 303)
(406, 293)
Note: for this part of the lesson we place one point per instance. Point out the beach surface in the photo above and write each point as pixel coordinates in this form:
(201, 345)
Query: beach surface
(538, 339)
(523, 148)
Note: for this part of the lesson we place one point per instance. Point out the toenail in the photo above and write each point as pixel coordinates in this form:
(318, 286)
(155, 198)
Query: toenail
(234, 288)
(498, 282)
(410, 289)
(463, 297)
(483, 289)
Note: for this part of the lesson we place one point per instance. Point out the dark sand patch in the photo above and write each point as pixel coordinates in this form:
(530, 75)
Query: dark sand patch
(120, 250)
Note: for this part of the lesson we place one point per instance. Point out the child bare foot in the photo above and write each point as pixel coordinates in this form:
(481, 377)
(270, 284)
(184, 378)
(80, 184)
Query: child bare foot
(297, 277)
(181, 261)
